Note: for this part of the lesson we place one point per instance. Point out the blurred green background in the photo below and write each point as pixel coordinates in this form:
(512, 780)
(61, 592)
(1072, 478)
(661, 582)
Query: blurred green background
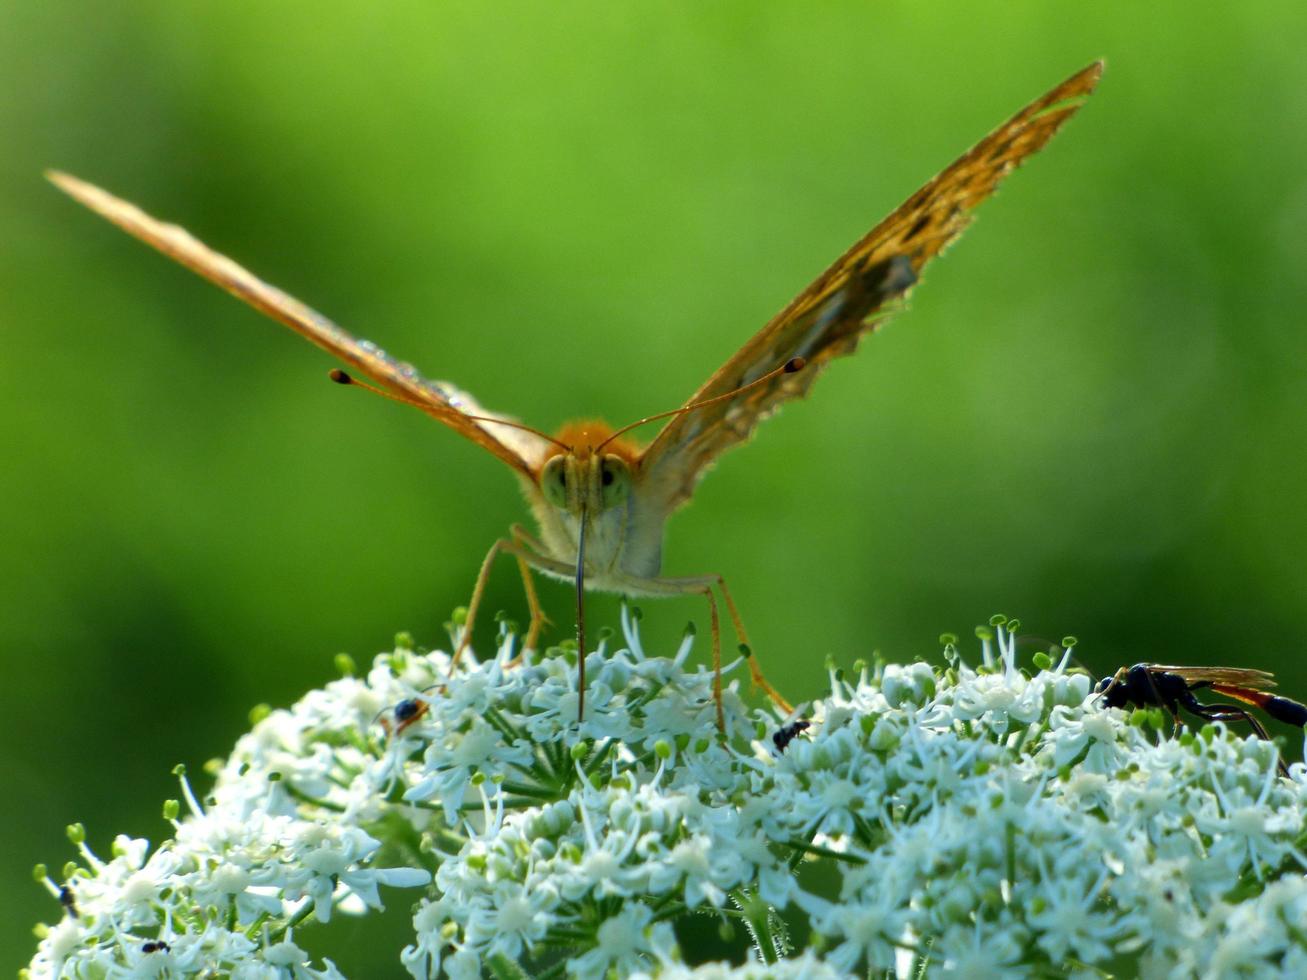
(1093, 416)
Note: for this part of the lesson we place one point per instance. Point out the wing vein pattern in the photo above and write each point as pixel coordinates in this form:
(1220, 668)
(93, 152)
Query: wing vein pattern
(863, 288)
(519, 449)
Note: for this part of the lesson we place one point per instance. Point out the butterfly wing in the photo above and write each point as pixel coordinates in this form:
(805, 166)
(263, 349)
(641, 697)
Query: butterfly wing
(524, 451)
(863, 288)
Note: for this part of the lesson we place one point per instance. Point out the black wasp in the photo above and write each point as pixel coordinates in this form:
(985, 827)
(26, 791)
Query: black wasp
(1172, 688)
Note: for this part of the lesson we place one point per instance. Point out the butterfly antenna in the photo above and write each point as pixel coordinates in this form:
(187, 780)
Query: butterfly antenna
(793, 365)
(344, 378)
(580, 621)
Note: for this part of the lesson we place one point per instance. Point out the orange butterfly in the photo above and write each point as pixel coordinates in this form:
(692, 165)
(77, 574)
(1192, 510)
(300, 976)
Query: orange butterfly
(600, 500)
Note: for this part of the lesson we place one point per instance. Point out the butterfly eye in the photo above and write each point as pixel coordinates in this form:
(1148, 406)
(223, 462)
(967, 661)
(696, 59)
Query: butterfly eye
(615, 478)
(553, 481)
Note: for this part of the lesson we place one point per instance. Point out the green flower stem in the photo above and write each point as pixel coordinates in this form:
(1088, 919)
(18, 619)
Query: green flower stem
(312, 801)
(757, 919)
(557, 970)
(502, 968)
(254, 928)
(600, 756)
(819, 851)
(529, 791)
(502, 725)
(301, 913)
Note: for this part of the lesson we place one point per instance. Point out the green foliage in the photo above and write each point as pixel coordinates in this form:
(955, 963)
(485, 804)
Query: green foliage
(1092, 413)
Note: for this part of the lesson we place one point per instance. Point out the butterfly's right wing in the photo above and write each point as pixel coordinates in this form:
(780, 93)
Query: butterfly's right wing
(861, 290)
(522, 450)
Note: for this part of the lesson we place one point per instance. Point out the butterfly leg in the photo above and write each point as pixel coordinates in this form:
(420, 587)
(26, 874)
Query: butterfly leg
(483, 576)
(703, 585)
(714, 622)
(538, 618)
(519, 548)
(755, 671)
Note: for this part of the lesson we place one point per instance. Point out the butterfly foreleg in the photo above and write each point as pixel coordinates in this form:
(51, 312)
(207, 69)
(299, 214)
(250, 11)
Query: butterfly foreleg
(519, 548)
(703, 585)
(755, 671)
(538, 618)
(715, 623)
(527, 540)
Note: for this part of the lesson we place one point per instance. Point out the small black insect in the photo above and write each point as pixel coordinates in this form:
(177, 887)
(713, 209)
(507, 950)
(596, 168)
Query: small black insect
(156, 946)
(67, 900)
(404, 714)
(788, 733)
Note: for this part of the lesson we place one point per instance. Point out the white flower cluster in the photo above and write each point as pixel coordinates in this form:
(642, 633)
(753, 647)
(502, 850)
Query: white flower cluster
(223, 897)
(969, 821)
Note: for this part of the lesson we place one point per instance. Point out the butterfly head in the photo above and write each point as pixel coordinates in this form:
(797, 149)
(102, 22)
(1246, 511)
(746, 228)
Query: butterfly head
(595, 475)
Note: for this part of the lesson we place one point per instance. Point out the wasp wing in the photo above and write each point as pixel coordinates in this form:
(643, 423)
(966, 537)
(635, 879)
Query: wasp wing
(1256, 680)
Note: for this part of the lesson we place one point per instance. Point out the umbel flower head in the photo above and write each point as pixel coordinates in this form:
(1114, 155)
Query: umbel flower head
(976, 821)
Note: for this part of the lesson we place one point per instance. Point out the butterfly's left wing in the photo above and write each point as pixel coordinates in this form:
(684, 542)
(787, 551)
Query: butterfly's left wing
(862, 289)
(521, 449)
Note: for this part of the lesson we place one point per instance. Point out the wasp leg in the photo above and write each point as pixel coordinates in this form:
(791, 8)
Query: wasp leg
(1230, 712)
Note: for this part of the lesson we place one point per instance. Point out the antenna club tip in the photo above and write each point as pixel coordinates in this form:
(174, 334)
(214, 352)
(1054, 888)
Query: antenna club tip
(795, 364)
(340, 377)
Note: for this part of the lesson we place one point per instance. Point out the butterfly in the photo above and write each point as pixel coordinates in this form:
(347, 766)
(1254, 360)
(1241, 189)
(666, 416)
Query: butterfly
(599, 498)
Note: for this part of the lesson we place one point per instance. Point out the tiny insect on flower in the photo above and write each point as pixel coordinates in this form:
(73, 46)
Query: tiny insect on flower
(405, 713)
(786, 734)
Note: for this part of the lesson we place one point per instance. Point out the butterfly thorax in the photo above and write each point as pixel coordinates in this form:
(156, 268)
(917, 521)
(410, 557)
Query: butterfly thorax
(596, 482)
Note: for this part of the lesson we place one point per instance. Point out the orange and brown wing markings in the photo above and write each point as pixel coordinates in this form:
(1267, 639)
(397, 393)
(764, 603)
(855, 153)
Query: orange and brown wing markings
(441, 401)
(861, 289)
(1221, 677)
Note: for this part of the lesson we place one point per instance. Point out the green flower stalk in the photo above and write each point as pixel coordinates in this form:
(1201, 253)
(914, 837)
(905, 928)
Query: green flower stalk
(971, 821)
